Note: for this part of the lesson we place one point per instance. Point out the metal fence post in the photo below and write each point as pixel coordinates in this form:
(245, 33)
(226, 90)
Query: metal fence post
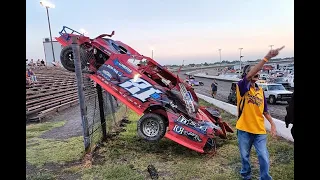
(112, 108)
(102, 118)
(77, 64)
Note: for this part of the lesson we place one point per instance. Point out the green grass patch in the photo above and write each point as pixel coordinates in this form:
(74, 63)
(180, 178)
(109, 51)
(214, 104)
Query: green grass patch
(35, 130)
(41, 176)
(130, 156)
(41, 151)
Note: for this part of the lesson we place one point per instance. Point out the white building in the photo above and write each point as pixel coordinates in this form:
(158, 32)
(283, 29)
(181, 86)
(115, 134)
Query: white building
(57, 47)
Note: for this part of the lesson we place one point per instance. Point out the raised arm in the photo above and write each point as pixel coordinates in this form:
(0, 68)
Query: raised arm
(258, 67)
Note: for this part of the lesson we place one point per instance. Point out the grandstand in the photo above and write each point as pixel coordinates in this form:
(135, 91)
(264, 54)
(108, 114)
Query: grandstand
(55, 91)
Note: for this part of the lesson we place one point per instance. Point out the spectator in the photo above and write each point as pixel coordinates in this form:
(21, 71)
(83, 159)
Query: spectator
(38, 62)
(252, 106)
(31, 63)
(214, 88)
(28, 79)
(42, 63)
(32, 76)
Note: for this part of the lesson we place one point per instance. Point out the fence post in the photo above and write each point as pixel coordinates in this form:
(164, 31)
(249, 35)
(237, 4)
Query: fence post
(77, 64)
(102, 118)
(111, 98)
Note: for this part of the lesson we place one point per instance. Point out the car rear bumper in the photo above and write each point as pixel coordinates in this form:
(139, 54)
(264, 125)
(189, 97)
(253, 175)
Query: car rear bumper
(283, 98)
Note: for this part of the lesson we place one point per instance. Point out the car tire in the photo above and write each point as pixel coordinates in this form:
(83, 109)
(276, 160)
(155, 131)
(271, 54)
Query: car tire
(67, 59)
(272, 100)
(151, 127)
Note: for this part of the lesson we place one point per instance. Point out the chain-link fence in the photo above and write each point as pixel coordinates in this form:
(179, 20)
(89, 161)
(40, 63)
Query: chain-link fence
(100, 115)
(104, 122)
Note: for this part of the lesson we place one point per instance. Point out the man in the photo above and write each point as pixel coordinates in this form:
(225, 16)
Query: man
(214, 88)
(252, 106)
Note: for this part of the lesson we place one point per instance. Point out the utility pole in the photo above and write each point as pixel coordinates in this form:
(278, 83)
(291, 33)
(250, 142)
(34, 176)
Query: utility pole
(220, 58)
(152, 53)
(271, 46)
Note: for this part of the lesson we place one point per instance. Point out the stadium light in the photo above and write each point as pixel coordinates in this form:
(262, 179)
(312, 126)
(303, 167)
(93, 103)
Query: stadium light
(48, 5)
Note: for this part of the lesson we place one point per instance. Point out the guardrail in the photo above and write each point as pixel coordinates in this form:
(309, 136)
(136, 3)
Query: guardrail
(232, 109)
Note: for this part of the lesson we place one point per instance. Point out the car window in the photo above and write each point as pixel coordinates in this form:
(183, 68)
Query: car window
(276, 87)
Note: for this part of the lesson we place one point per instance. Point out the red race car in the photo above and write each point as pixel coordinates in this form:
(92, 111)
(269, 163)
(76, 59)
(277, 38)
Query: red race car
(169, 106)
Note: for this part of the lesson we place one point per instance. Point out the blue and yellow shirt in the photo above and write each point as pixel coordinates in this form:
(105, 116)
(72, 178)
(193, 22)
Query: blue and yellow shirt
(251, 119)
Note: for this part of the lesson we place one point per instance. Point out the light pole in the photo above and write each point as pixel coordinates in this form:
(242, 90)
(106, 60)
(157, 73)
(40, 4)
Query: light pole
(48, 5)
(220, 58)
(271, 46)
(240, 59)
(152, 53)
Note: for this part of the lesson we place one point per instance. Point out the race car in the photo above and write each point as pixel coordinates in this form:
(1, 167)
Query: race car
(169, 107)
(193, 82)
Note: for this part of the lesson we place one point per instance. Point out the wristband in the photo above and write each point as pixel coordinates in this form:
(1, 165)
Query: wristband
(265, 59)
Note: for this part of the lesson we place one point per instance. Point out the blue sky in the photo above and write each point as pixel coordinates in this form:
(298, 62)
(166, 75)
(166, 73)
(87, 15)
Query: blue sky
(177, 30)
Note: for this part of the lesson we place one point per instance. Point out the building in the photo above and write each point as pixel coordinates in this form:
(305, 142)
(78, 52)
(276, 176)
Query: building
(57, 47)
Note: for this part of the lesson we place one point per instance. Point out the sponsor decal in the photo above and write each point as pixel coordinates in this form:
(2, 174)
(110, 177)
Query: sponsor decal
(114, 70)
(202, 128)
(140, 89)
(122, 66)
(186, 95)
(180, 130)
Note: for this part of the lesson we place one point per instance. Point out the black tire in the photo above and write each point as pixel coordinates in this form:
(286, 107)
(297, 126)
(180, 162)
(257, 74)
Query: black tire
(272, 100)
(66, 58)
(159, 123)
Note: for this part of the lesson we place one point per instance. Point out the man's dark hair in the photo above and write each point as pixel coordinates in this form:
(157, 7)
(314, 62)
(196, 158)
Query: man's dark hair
(245, 70)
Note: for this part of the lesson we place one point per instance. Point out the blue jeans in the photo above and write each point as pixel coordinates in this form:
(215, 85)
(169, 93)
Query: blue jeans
(246, 140)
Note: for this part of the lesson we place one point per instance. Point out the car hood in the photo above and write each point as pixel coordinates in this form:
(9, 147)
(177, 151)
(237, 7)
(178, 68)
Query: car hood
(281, 92)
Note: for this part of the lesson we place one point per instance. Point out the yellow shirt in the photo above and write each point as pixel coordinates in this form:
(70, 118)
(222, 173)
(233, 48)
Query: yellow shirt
(251, 119)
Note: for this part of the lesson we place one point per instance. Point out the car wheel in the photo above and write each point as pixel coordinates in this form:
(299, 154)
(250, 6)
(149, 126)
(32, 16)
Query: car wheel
(67, 59)
(151, 127)
(272, 100)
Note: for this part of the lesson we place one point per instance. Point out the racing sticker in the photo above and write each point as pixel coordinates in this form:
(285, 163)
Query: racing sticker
(141, 89)
(202, 128)
(180, 130)
(122, 66)
(114, 70)
(187, 97)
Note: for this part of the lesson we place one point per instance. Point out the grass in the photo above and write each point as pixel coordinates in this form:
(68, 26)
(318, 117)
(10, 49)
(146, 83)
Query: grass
(127, 157)
(35, 130)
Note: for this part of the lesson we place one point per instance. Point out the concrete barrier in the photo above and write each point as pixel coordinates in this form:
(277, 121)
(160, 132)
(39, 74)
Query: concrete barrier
(232, 109)
(221, 77)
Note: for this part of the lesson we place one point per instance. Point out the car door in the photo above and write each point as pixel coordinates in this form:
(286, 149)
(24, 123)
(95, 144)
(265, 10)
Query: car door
(265, 89)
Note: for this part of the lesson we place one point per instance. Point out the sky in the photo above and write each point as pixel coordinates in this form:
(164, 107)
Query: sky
(176, 30)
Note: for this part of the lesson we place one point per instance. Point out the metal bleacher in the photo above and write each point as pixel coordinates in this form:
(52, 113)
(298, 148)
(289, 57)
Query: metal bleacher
(55, 91)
